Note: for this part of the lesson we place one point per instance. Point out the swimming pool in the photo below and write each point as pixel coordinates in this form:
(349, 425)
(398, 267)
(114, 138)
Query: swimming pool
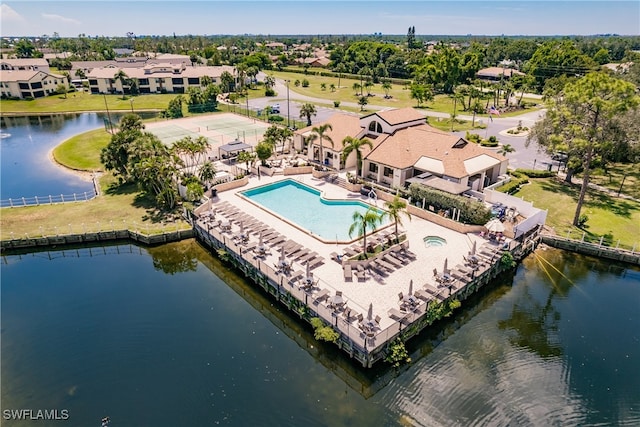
(305, 207)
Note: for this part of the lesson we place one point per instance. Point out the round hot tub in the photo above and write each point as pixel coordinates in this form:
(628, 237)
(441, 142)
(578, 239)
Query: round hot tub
(434, 241)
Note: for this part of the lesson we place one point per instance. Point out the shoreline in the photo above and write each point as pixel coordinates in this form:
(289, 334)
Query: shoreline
(84, 175)
(58, 113)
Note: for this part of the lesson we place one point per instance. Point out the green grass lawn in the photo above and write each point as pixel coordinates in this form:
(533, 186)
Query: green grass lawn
(400, 96)
(458, 125)
(82, 151)
(614, 218)
(83, 101)
(613, 176)
(118, 207)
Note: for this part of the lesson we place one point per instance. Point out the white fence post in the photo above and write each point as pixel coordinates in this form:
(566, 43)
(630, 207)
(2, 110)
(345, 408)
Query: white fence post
(37, 202)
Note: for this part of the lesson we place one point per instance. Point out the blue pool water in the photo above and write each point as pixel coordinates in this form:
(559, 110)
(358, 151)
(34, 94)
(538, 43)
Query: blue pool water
(304, 206)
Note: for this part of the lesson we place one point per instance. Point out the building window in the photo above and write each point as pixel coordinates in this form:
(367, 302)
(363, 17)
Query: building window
(176, 81)
(373, 167)
(375, 127)
(388, 172)
(194, 81)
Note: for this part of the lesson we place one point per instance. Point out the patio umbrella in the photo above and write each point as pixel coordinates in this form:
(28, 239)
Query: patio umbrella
(260, 241)
(411, 287)
(308, 270)
(282, 254)
(370, 312)
(445, 269)
(473, 248)
(494, 226)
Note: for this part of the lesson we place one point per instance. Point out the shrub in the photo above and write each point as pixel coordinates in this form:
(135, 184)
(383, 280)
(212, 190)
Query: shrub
(507, 260)
(276, 118)
(269, 92)
(513, 186)
(582, 220)
(397, 353)
(534, 173)
(336, 104)
(305, 83)
(471, 211)
(472, 137)
(322, 332)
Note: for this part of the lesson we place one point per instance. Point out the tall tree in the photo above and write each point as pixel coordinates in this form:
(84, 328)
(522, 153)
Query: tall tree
(320, 133)
(579, 121)
(394, 210)
(207, 172)
(307, 110)
(362, 222)
(352, 144)
(123, 77)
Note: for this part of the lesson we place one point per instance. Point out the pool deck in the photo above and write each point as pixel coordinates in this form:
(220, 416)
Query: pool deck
(382, 293)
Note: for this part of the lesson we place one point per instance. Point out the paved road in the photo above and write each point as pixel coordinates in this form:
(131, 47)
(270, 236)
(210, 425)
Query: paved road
(523, 157)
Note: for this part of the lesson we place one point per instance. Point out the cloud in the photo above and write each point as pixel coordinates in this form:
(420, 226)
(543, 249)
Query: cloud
(61, 19)
(8, 15)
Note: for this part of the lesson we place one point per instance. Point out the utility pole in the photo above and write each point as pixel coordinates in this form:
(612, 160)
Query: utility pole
(108, 115)
(288, 115)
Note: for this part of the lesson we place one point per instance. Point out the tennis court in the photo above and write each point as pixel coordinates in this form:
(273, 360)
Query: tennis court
(171, 133)
(219, 129)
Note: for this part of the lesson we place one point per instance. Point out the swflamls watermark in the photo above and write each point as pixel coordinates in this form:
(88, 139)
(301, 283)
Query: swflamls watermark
(36, 414)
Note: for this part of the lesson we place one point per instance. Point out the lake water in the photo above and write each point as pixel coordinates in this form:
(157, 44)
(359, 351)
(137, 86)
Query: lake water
(168, 336)
(26, 170)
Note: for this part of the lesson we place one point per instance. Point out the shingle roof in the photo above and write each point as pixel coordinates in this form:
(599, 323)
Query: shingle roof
(399, 116)
(342, 125)
(497, 71)
(406, 146)
(24, 75)
(108, 73)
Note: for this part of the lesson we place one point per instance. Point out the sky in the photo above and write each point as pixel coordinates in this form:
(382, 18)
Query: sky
(160, 17)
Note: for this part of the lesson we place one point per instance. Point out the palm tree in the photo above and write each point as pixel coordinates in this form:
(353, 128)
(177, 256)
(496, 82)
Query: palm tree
(361, 222)
(506, 149)
(248, 158)
(122, 76)
(340, 69)
(207, 172)
(386, 86)
(355, 144)
(356, 88)
(323, 86)
(332, 87)
(319, 132)
(368, 84)
(307, 110)
(226, 81)
(362, 102)
(394, 210)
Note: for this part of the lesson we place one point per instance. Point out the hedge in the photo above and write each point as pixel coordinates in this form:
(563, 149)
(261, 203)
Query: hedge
(535, 173)
(471, 211)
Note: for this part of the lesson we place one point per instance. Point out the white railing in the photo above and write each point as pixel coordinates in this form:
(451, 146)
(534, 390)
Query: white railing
(47, 200)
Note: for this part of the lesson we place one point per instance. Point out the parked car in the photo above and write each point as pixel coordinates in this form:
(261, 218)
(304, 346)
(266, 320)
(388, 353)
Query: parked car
(559, 156)
(275, 108)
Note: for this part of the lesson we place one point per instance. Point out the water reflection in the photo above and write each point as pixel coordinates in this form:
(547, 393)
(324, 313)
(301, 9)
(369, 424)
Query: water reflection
(26, 169)
(532, 349)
